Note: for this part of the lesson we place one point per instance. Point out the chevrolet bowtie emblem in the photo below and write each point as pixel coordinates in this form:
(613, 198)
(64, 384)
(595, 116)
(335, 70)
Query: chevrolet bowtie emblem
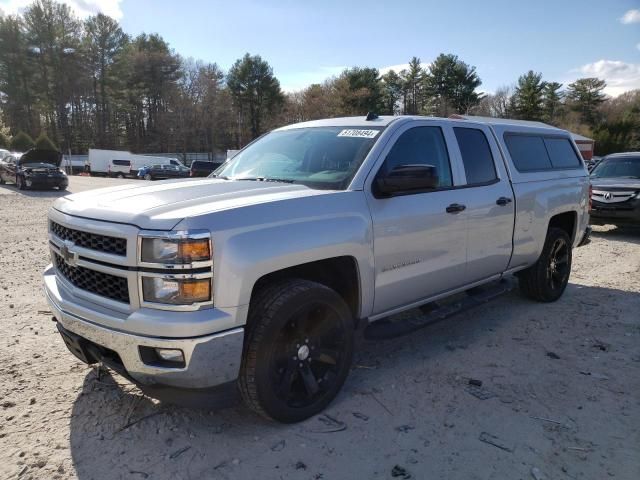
(70, 257)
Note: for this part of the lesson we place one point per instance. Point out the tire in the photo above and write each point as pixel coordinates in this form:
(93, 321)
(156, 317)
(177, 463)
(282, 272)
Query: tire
(546, 280)
(298, 350)
(120, 175)
(20, 183)
(1, 180)
(148, 177)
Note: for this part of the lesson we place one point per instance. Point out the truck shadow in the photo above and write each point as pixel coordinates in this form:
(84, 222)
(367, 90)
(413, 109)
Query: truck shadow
(116, 432)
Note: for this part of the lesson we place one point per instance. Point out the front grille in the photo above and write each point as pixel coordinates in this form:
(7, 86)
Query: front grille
(103, 284)
(94, 241)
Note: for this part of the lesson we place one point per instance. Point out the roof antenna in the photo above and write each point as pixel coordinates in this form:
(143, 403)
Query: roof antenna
(371, 116)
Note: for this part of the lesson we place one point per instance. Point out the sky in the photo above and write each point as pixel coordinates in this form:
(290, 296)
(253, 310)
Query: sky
(307, 41)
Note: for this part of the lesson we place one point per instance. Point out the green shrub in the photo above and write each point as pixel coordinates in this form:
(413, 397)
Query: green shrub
(43, 142)
(21, 142)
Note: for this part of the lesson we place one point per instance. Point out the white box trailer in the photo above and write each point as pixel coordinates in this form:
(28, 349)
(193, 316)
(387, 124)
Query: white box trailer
(121, 163)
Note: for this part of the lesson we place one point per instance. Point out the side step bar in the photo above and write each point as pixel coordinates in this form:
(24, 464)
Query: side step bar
(434, 312)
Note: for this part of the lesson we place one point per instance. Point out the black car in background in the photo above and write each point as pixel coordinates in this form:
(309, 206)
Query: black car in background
(163, 172)
(201, 168)
(615, 183)
(34, 169)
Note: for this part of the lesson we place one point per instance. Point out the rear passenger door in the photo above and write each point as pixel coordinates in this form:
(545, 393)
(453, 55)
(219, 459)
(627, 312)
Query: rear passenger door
(489, 200)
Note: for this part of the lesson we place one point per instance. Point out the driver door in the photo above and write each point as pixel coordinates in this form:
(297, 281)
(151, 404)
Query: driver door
(420, 239)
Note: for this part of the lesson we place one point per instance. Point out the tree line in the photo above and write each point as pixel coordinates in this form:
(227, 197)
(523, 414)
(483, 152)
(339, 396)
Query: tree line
(81, 84)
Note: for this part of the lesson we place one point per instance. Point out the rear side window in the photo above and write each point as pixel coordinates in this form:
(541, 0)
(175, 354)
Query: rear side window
(528, 152)
(421, 146)
(538, 152)
(122, 163)
(561, 153)
(476, 156)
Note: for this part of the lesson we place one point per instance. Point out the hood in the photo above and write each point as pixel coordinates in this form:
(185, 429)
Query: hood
(160, 206)
(36, 158)
(622, 183)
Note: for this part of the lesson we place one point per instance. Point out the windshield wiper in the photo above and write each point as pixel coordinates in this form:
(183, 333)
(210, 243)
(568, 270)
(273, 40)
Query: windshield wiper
(223, 177)
(265, 179)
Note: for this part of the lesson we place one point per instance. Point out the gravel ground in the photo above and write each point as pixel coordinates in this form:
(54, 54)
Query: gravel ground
(560, 394)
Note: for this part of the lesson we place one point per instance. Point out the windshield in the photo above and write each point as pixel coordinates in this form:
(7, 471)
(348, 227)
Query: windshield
(625, 167)
(319, 157)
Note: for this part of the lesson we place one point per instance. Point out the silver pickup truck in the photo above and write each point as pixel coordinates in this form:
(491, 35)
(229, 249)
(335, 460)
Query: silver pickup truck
(259, 276)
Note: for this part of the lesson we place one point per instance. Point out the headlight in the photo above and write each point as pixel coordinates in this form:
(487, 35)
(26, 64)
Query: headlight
(186, 256)
(176, 248)
(176, 291)
(62, 171)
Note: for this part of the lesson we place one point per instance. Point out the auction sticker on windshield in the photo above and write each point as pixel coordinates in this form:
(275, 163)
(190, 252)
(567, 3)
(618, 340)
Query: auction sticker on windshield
(359, 133)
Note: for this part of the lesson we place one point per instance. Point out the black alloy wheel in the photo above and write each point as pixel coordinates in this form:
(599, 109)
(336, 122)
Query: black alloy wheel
(298, 350)
(306, 356)
(558, 268)
(547, 279)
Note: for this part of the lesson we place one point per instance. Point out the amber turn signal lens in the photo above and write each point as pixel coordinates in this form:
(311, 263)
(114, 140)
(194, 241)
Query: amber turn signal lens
(194, 250)
(195, 290)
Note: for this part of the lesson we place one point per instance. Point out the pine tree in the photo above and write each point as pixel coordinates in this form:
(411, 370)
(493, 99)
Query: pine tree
(451, 84)
(529, 96)
(391, 92)
(586, 95)
(552, 102)
(256, 92)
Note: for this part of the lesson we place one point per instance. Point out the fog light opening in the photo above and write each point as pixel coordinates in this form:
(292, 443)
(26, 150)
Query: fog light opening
(162, 357)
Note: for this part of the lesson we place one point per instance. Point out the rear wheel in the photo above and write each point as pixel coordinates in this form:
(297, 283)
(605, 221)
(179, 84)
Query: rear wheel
(120, 175)
(298, 350)
(20, 183)
(546, 280)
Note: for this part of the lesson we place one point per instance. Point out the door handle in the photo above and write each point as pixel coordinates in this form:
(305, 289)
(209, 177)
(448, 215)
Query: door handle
(455, 208)
(502, 201)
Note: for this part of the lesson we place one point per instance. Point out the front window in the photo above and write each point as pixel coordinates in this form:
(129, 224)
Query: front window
(625, 167)
(318, 157)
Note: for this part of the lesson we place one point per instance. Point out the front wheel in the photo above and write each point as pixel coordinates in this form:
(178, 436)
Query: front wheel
(297, 352)
(148, 177)
(546, 280)
(20, 183)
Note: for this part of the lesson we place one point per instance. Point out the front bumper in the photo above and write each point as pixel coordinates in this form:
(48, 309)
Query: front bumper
(210, 360)
(46, 181)
(624, 213)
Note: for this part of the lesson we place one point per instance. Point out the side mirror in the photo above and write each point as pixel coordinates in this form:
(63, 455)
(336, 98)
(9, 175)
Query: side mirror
(407, 178)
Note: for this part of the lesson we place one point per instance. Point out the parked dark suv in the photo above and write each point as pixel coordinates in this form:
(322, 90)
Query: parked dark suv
(34, 169)
(616, 190)
(201, 168)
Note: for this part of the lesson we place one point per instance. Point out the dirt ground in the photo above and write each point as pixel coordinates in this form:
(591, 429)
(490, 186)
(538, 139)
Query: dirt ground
(560, 393)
